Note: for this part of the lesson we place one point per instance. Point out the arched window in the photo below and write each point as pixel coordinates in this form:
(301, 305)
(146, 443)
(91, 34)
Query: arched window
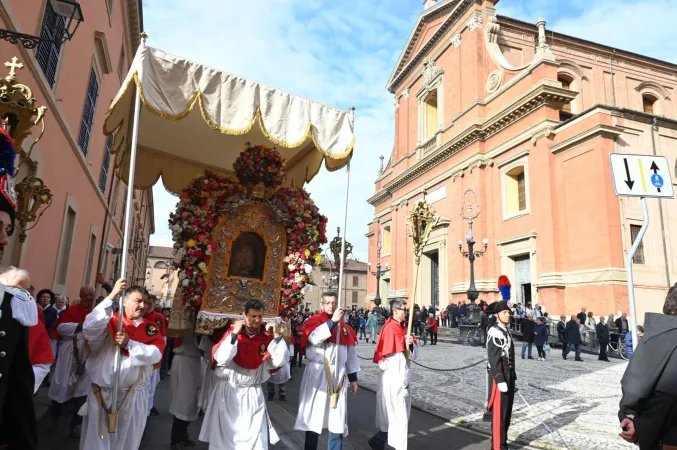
(431, 117)
(160, 265)
(565, 112)
(649, 104)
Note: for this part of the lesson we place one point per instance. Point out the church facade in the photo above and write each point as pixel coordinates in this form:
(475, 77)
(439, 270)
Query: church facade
(519, 121)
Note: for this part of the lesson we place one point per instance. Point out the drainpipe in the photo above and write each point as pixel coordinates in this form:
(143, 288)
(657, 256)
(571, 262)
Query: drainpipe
(660, 209)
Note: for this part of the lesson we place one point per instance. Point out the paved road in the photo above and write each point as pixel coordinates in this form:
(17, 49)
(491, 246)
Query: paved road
(426, 431)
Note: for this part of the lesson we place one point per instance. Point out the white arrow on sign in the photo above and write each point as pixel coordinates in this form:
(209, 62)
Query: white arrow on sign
(641, 176)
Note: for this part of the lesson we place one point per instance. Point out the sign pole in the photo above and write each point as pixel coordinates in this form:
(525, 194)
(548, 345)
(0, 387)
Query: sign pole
(628, 269)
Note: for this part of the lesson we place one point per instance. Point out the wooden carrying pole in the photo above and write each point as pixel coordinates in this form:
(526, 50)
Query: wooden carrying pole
(421, 222)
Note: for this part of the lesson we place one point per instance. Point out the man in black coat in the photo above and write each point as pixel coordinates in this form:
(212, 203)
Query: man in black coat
(622, 324)
(583, 315)
(603, 337)
(573, 335)
(528, 335)
(648, 409)
(18, 313)
(561, 333)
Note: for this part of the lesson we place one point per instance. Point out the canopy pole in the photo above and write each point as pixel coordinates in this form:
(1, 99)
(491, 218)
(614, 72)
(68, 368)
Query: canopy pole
(343, 251)
(125, 240)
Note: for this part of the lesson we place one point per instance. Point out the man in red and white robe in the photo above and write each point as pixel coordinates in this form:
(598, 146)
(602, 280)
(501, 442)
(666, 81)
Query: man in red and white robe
(161, 321)
(236, 418)
(141, 346)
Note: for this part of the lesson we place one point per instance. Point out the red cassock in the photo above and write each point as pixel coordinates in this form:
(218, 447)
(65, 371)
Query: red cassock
(347, 335)
(39, 345)
(74, 314)
(391, 340)
(147, 333)
(251, 351)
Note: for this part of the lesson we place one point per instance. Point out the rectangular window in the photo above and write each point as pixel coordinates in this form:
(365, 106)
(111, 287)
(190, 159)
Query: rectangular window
(90, 259)
(521, 193)
(66, 243)
(355, 296)
(88, 112)
(47, 52)
(103, 176)
(638, 258)
(356, 281)
(386, 240)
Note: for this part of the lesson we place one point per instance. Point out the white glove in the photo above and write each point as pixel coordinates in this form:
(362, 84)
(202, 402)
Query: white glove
(503, 387)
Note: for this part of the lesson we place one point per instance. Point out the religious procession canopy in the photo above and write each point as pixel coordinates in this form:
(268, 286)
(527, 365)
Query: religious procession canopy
(195, 118)
(238, 154)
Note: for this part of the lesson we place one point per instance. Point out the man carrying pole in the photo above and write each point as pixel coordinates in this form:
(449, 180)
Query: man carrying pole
(141, 346)
(393, 402)
(323, 400)
(501, 354)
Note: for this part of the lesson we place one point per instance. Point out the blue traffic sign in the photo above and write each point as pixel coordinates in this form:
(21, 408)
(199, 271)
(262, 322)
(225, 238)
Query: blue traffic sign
(657, 180)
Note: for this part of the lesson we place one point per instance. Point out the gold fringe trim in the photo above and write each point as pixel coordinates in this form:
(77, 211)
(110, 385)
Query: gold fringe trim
(258, 117)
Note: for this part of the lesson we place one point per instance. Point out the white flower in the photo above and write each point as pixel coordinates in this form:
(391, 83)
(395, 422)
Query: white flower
(185, 282)
(202, 265)
(291, 267)
(308, 268)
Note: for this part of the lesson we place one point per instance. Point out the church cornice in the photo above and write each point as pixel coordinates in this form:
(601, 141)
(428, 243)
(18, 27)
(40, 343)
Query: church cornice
(405, 64)
(542, 94)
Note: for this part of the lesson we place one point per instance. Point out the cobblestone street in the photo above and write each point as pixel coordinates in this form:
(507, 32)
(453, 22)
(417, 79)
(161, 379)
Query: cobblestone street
(578, 400)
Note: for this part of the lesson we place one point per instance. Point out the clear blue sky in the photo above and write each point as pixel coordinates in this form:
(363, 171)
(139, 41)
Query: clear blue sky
(342, 53)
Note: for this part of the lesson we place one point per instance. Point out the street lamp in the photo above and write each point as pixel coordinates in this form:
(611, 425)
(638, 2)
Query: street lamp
(472, 254)
(69, 16)
(335, 249)
(377, 274)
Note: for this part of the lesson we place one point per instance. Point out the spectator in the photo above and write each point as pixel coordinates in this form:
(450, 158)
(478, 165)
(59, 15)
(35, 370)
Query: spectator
(647, 410)
(297, 331)
(611, 324)
(590, 325)
(573, 338)
(540, 337)
(561, 333)
(46, 300)
(363, 326)
(432, 329)
(528, 310)
(538, 312)
(629, 349)
(622, 324)
(583, 315)
(528, 335)
(603, 338)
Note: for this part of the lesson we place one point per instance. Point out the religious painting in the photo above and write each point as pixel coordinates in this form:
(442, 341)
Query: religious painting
(248, 256)
(247, 263)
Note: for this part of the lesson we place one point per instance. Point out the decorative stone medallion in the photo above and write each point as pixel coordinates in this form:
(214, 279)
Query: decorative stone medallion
(494, 81)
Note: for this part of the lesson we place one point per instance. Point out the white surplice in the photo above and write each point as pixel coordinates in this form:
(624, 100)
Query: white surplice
(284, 374)
(236, 418)
(135, 373)
(40, 371)
(393, 402)
(314, 412)
(208, 378)
(185, 380)
(65, 384)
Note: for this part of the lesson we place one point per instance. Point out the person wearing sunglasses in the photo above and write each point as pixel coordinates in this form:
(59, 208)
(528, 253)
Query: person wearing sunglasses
(394, 351)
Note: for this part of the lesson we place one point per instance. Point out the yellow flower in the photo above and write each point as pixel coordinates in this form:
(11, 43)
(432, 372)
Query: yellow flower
(318, 259)
(190, 243)
(307, 252)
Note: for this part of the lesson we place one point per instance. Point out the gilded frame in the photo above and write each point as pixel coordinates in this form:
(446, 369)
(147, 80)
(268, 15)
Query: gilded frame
(225, 295)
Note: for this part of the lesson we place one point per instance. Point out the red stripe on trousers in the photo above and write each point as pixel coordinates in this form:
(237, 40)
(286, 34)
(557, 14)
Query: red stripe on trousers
(495, 407)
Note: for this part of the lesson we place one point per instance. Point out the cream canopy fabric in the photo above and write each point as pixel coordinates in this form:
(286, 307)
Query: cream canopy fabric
(195, 118)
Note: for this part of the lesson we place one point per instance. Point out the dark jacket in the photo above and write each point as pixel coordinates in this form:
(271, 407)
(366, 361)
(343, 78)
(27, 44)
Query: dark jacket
(649, 384)
(619, 325)
(602, 333)
(582, 316)
(51, 314)
(528, 331)
(573, 333)
(561, 333)
(540, 334)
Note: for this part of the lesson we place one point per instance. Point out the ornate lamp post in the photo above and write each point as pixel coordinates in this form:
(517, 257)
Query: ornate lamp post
(377, 274)
(335, 248)
(68, 18)
(19, 114)
(472, 254)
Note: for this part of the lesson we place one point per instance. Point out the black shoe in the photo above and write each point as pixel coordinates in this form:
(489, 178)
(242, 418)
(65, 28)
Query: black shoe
(283, 398)
(522, 357)
(372, 443)
(154, 411)
(564, 357)
(579, 359)
(530, 357)
(189, 443)
(271, 397)
(176, 446)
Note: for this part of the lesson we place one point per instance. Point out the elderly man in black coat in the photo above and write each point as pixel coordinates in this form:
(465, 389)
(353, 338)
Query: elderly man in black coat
(573, 335)
(648, 409)
(603, 337)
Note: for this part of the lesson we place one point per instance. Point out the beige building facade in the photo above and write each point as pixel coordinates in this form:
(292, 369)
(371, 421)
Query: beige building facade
(325, 278)
(161, 278)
